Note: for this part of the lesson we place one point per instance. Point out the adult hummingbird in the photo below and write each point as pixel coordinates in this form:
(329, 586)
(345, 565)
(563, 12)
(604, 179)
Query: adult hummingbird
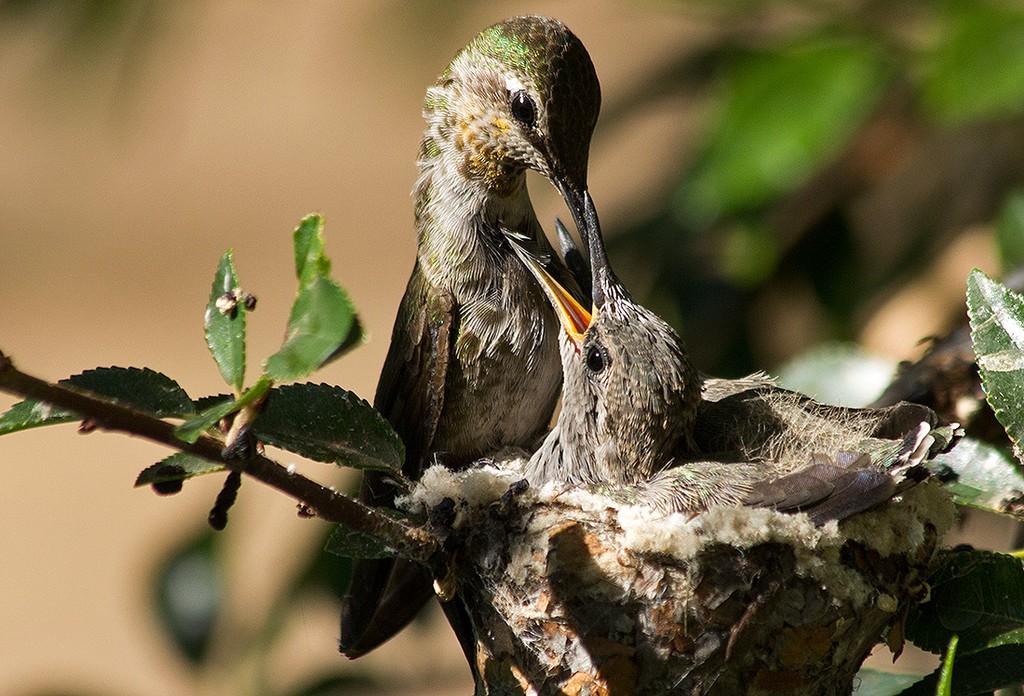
(639, 422)
(473, 364)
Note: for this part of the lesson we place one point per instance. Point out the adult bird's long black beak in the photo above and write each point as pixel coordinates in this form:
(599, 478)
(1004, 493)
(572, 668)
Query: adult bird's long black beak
(606, 286)
(573, 187)
(575, 200)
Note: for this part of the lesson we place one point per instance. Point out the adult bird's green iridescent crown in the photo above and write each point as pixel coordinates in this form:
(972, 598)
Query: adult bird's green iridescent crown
(639, 422)
(473, 364)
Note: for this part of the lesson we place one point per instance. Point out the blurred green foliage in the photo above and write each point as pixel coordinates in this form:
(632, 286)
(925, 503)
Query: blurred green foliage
(845, 146)
(781, 112)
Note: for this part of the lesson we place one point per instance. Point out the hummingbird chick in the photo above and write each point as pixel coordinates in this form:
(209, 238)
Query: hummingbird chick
(630, 394)
(639, 423)
(473, 364)
(828, 461)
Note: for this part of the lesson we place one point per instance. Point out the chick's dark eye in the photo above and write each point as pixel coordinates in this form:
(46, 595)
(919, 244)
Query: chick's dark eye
(596, 359)
(523, 109)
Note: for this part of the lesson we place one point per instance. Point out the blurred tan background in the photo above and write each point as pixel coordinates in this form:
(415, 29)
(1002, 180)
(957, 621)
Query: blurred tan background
(129, 161)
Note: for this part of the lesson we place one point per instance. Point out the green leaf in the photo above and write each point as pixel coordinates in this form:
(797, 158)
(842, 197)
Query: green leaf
(308, 242)
(977, 595)
(778, 122)
(1010, 231)
(323, 321)
(997, 332)
(319, 323)
(348, 543)
(977, 68)
(33, 414)
(872, 682)
(177, 467)
(355, 337)
(194, 427)
(329, 424)
(945, 685)
(140, 388)
(225, 323)
(978, 673)
(986, 477)
(205, 402)
(189, 595)
(1015, 637)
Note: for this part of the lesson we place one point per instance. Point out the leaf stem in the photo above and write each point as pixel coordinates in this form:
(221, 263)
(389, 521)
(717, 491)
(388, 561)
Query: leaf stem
(326, 503)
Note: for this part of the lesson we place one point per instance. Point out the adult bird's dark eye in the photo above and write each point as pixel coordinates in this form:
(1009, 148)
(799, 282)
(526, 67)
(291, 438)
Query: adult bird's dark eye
(595, 359)
(523, 109)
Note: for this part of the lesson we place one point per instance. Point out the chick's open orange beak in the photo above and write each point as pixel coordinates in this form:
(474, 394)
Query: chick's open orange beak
(574, 318)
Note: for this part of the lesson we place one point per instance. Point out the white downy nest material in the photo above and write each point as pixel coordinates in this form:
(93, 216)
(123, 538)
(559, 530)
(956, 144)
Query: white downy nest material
(897, 528)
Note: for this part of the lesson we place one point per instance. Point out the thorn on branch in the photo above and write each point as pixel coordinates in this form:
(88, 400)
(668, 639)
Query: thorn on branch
(88, 425)
(218, 518)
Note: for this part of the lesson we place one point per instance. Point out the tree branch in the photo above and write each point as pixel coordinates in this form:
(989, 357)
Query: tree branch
(324, 502)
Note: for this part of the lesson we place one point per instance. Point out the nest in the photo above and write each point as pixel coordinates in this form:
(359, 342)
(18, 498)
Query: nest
(570, 592)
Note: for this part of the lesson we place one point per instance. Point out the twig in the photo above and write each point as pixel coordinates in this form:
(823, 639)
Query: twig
(324, 502)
